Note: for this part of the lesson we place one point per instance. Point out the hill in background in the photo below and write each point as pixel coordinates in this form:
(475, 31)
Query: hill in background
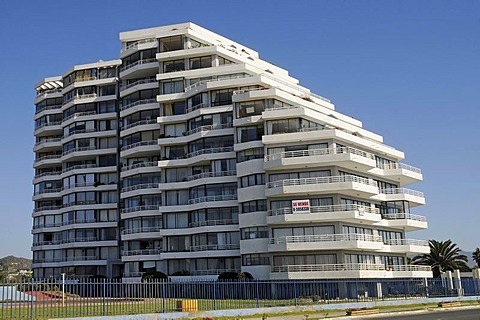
(11, 263)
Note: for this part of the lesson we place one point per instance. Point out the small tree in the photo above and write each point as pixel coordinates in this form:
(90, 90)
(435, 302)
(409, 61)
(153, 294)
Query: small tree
(443, 256)
(476, 256)
(152, 276)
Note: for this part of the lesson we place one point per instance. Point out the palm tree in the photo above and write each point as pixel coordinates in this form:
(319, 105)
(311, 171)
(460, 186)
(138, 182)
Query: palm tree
(476, 256)
(443, 256)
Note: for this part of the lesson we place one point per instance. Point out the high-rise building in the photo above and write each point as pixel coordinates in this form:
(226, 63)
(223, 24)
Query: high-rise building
(192, 156)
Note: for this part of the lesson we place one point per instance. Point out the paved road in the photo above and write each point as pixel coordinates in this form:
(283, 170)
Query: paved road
(458, 314)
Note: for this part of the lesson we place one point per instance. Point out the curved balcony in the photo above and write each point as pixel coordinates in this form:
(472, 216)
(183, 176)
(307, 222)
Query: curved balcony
(141, 230)
(194, 134)
(140, 211)
(138, 45)
(48, 144)
(54, 159)
(141, 167)
(407, 246)
(346, 184)
(141, 233)
(37, 211)
(141, 84)
(140, 105)
(415, 198)
(405, 221)
(346, 157)
(48, 128)
(198, 156)
(348, 271)
(404, 173)
(51, 175)
(141, 254)
(201, 178)
(225, 197)
(141, 188)
(47, 193)
(347, 241)
(353, 213)
(215, 247)
(140, 148)
(139, 69)
(150, 124)
(86, 152)
(208, 223)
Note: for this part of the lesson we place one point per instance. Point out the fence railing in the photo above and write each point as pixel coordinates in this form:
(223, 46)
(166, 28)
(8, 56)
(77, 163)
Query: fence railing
(320, 180)
(80, 295)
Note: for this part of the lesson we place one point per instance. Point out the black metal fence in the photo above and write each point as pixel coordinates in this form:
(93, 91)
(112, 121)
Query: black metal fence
(53, 298)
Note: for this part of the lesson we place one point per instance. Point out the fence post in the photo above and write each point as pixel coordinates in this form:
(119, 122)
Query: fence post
(164, 295)
(31, 300)
(104, 296)
(215, 295)
(258, 294)
(295, 291)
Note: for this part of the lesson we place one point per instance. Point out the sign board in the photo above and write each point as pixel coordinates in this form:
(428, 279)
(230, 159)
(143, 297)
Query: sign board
(301, 206)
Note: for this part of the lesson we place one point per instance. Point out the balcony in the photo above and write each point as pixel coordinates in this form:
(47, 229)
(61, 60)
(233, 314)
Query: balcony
(139, 69)
(208, 223)
(48, 127)
(141, 167)
(149, 124)
(226, 197)
(141, 230)
(346, 157)
(142, 252)
(405, 221)
(348, 241)
(141, 148)
(138, 45)
(149, 83)
(142, 188)
(348, 271)
(415, 198)
(54, 159)
(203, 131)
(407, 246)
(147, 210)
(48, 144)
(352, 213)
(346, 184)
(200, 178)
(401, 172)
(198, 156)
(215, 247)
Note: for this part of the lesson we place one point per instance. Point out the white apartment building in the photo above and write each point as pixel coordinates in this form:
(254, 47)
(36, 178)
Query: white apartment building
(192, 156)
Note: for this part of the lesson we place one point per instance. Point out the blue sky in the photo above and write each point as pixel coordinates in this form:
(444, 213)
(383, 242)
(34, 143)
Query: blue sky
(410, 70)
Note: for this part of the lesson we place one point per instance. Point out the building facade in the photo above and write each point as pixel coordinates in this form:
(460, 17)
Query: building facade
(192, 156)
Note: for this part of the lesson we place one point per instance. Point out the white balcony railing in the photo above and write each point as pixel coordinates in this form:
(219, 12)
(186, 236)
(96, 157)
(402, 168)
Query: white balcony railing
(139, 123)
(138, 82)
(404, 216)
(79, 114)
(50, 140)
(210, 272)
(140, 165)
(142, 252)
(45, 191)
(140, 208)
(327, 238)
(320, 180)
(219, 78)
(398, 165)
(209, 127)
(142, 230)
(327, 208)
(140, 144)
(138, 63)
(47, 174)
(226, 197)
(403, 191)
(402, 242)
(48, 124)
(209, 151)
(136, 43)
(137, 103)
(214, 174)
(49, 157)
(140, 187)
(329, 267)
(214, 247)
(205, 223)
(79, 167)
(319, 152)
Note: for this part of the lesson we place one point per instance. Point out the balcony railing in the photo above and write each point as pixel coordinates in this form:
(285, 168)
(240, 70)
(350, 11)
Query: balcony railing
(329, 267)
(398, 165)
(78, 185)
(142, 230)
(209, 127)
(136, 43)
(327, 238)
(139, 123)
(403, 191)
(209, 151)
(205, 223)
(44, 191)
(49, 157)
(47, 141)
(140, 144)
(138, 82)
(137, 103)
(38, 110)
(402, 242)
(79, 167)
(142, 252)
(140, 187)
(319, 152)
(320, 180)
(220, 78)
(140, 208)
(214, 247)
(47, 174)
(79, 114)
(138, 63)
(140, 165)
(214, 174)
(327, 208)
(79, 149)
(211, 272)
(404, 216)
(226, 197)
(48, 124)
(47, 208)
